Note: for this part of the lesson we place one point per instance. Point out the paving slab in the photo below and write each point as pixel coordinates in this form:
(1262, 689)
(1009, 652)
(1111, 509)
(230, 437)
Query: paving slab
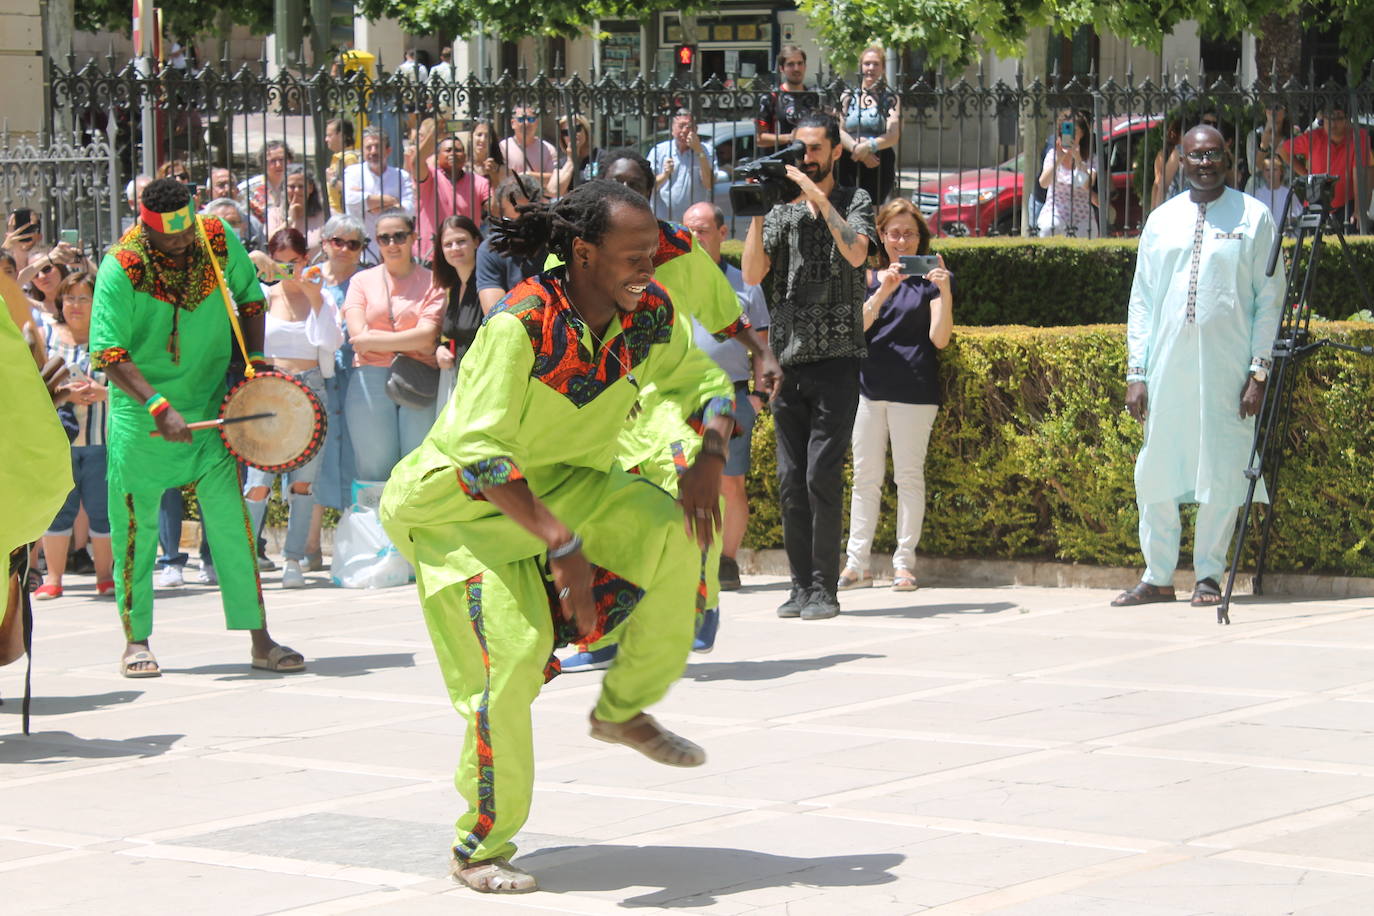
(989, 749)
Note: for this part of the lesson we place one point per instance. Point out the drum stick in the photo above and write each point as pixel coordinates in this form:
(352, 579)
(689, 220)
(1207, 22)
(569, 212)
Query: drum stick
(210, 424)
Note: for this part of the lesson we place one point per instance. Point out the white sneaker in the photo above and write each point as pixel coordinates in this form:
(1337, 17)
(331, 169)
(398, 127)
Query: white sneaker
(292, 577)
(207, 574)
(170, 577)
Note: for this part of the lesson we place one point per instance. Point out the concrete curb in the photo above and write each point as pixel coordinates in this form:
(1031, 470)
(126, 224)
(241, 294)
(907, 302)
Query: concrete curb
(954, 571)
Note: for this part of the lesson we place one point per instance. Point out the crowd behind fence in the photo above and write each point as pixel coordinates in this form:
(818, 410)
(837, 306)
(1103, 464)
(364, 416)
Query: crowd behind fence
(970, 153)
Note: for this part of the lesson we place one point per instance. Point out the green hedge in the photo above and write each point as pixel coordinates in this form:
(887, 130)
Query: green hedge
(1032, 456)
(1062, 282)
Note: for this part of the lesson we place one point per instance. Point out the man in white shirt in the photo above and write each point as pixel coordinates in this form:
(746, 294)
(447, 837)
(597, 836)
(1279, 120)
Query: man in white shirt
(684, 169)
(443, 72)
(524, 150)
(413, 70)
(372, 186)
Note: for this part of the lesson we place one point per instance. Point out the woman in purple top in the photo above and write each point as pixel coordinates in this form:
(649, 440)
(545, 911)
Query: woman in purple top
(907, 321)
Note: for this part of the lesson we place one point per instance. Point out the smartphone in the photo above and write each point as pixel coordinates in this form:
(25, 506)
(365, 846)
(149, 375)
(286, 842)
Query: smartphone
(286, 270)
(453, 126)
(1066, 130)
(23, 216)
(71, 236)
(918, 265)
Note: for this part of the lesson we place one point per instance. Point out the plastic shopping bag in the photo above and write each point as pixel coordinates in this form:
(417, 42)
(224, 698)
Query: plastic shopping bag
(364, 556)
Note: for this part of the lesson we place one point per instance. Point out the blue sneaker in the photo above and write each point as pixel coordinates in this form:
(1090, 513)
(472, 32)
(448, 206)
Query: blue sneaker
(588, 660)
(707, 624)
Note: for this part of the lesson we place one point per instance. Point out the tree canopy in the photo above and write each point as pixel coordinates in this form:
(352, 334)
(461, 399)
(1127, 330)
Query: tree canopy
(182, 18)
(514, 19)
(953, 31)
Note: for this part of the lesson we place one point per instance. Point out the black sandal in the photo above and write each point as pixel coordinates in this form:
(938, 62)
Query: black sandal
(1206, 588)
(1143, 593)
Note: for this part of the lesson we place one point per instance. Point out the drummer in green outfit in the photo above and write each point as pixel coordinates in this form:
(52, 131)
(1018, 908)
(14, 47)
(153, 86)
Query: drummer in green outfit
(526, 533)
(160, 329)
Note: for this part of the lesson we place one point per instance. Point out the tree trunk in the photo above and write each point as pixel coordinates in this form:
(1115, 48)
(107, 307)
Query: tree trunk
(1278, 48)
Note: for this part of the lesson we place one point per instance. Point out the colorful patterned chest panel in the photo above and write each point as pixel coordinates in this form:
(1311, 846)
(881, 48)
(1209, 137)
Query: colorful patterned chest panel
(674, 241)
(154, 273)
(561, 361)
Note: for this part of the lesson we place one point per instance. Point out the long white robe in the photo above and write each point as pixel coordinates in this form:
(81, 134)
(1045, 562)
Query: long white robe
(1202, 311)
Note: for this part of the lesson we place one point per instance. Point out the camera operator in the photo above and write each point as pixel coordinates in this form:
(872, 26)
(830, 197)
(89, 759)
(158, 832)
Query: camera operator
(814, 250)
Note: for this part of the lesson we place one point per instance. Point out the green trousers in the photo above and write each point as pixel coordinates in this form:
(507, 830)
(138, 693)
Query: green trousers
(494, 636)
(135, 498)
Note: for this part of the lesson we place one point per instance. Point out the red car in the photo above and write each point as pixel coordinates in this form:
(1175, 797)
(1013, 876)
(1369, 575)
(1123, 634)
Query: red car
(988, 201)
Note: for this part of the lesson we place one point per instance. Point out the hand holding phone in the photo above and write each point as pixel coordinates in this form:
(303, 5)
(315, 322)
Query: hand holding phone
(918, 265)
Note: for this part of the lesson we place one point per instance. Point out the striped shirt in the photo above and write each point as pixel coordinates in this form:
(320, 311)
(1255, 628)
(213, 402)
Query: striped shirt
(91, 419)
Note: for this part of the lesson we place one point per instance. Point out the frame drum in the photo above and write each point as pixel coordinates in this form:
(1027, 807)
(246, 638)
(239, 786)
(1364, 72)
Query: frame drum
(279, 443)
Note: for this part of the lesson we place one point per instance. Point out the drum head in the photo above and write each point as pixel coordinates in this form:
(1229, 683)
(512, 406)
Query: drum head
(282, 442)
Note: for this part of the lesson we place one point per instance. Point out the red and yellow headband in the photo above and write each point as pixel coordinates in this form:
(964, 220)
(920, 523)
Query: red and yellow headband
(176, 221)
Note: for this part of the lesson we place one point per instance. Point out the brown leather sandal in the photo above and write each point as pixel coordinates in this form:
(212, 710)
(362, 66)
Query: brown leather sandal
(493, 876)
(661, 747)
(1144, 593)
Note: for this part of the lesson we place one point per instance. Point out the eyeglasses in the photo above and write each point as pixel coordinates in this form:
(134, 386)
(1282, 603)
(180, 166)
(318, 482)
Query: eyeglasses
(526, 119)
(1199, 156)
(1337, 117)
(392, 238)
(895, 236)
(183, 178)
(350, 244)
(47, 268)
(1210, 122)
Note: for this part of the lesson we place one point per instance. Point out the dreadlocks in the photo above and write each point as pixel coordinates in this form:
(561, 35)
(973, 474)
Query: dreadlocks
(583, 214)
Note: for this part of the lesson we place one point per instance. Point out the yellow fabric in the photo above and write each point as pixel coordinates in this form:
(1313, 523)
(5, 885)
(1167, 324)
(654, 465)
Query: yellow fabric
(35, 461)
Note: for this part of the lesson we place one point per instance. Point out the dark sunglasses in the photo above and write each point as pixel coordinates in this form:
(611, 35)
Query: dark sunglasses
(527, 119)
(393, 238)
(183, 178)
(47, 268)
(350, 244)
(1205, 155)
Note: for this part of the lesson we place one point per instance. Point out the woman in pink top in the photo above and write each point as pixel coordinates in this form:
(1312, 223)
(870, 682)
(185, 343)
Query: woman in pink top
(391, 308)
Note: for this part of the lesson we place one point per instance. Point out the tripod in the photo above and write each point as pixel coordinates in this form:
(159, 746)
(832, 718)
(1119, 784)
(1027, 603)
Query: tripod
(1292, 344)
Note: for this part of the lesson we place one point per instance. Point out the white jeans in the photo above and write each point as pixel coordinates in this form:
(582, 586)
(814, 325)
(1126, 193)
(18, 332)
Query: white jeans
(908, 426)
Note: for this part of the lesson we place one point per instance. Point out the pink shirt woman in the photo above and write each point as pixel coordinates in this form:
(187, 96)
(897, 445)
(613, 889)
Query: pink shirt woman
(392, 304)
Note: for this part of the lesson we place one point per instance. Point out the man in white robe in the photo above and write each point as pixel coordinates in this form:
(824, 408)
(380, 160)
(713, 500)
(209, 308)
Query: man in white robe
(1202, 321)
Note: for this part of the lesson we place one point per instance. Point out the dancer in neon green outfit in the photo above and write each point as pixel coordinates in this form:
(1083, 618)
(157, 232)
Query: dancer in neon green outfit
(160, 329)
(524, 531)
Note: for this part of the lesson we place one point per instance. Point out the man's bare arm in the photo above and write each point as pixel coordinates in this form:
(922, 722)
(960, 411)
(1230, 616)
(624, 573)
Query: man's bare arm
(853, 246)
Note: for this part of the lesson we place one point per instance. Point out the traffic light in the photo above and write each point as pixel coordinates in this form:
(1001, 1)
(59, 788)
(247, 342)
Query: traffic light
(685, 56)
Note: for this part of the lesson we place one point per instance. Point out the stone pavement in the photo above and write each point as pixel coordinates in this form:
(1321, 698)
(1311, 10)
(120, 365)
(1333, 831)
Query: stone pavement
(953, 750)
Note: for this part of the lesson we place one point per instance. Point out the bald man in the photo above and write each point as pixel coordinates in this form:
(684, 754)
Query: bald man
(1201, 324)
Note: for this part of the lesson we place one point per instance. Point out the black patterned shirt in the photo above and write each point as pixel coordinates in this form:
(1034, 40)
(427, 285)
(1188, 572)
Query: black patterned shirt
(817, 296)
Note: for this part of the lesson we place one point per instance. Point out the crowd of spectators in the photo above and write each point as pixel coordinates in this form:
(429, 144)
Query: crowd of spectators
(386, 256)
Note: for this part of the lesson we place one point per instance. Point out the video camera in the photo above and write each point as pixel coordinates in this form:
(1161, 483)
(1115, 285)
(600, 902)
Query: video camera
(766, 183)
(1313, 190)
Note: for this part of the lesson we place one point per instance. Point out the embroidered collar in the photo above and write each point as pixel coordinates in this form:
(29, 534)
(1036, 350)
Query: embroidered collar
(561, 360)
(157, 275)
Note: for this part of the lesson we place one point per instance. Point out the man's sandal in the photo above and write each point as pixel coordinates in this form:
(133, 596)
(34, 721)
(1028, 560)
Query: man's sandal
(1143, 593)
(278, 659)
(661, 747)
(142, 657)
(493, 876)
(1207, 593)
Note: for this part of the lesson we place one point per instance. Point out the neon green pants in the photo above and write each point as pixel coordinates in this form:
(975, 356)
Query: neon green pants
(494, 636)
(133, 528)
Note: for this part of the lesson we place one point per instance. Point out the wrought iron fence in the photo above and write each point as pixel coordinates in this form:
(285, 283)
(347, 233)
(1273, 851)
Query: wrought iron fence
(971, 153)
(66, 181)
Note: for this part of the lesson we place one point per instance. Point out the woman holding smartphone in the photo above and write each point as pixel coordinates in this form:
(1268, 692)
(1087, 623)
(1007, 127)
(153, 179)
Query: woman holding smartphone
(302, 333)
(907, 319)
(1067, 175)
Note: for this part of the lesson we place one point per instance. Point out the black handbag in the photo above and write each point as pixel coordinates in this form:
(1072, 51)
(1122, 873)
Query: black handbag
(409, 382)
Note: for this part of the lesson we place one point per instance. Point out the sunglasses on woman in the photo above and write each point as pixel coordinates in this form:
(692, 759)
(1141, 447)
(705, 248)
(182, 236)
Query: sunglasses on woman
(350, 244)
(47, 268)
(393, 238)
